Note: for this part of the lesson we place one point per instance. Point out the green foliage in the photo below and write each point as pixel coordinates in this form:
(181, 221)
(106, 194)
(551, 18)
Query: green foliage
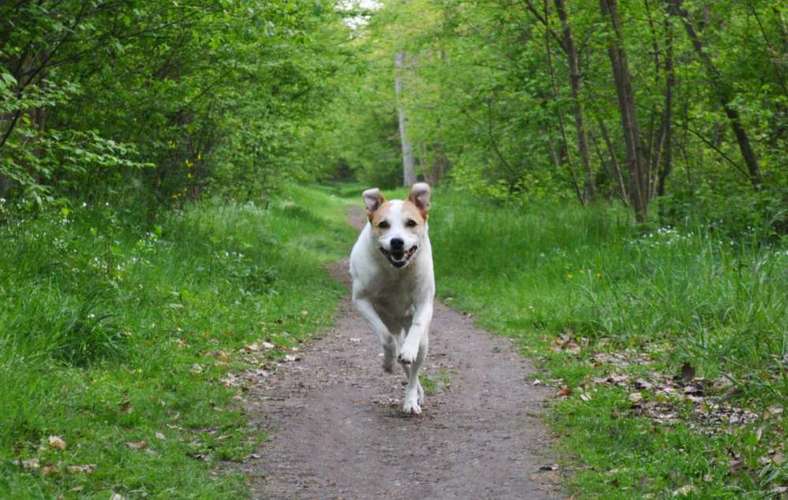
(207, 94)
(488, 100)
(109, 334)
(677, 295)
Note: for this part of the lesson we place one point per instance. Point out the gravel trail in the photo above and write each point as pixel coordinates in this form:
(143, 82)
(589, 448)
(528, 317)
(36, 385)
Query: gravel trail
(336, 431)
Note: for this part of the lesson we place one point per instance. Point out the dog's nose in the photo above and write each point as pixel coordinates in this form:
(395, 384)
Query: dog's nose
(397, 244)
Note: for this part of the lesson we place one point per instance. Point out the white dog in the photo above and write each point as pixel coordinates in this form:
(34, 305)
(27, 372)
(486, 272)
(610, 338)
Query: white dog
(393, 282)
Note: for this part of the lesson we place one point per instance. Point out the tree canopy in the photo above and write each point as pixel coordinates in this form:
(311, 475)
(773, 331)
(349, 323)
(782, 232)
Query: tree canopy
(677, 102)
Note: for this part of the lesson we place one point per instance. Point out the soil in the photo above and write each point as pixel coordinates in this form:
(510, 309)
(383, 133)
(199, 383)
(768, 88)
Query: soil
(336, 430)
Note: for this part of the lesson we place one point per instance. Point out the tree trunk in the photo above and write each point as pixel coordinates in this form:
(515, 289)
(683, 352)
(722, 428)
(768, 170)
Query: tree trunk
(667, 118)
(564, 146)
(724, 94)
(408, 165)
(622, 189)
(636, 164)
(575, 81)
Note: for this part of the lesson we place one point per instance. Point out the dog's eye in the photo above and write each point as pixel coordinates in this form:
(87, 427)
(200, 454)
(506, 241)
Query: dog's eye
(383, 225)
(411, 223)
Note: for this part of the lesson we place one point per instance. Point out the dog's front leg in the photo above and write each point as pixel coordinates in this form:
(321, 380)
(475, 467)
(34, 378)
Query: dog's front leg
(413, 353)
(417, 334)
(389, 343)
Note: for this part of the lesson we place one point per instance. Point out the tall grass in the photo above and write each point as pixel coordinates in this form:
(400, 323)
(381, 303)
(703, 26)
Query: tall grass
(682, 295)
(553, 268)
(109, 334)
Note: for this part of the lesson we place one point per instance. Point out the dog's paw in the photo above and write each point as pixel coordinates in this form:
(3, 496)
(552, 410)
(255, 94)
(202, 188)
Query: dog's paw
(408, 354)
(411, 406)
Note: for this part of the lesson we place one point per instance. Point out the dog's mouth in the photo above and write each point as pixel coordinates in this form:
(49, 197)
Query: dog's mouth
(399, 258)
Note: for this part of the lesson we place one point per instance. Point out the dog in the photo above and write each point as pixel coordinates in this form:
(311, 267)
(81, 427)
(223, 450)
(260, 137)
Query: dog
(394, 283)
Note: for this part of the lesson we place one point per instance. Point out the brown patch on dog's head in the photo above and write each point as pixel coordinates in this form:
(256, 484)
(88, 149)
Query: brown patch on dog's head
(419, 197)
(380, 214)
(410, 210)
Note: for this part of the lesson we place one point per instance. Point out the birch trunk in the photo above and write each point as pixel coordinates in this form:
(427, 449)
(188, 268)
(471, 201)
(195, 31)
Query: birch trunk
(408, 165)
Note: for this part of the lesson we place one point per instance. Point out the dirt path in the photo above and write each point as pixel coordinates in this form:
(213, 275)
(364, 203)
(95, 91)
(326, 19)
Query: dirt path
(336, 430)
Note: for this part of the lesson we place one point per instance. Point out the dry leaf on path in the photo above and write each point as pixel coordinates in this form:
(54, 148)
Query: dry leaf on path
(30, 464)
(57, 442)
(81, 469)
(137, 445)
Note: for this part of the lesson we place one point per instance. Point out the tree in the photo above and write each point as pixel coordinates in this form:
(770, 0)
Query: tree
(408, 166)
(724, 94)
(636, 161)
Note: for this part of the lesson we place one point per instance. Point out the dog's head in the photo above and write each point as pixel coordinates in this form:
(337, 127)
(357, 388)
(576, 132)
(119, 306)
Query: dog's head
(399, 226)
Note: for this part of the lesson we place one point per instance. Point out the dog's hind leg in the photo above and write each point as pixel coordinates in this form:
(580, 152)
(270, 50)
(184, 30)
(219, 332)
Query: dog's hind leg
(414, 393)
(390, 353)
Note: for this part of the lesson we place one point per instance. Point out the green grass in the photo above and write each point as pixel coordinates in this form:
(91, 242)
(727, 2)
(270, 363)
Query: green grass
(678, 295)
(111, 333)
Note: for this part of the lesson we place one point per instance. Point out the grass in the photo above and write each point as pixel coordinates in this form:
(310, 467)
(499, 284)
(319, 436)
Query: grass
(575, 286)
(114, 336)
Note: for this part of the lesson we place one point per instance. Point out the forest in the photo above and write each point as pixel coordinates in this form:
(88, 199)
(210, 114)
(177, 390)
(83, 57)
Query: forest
(611, 192)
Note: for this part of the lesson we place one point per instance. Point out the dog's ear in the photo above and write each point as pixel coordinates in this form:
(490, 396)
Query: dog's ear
(420, 196)
(373, 200)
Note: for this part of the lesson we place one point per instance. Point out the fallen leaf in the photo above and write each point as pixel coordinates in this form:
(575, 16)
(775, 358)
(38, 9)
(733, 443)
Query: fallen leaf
(81, 469)
(642, 384)
(291, 357)
(196, 368)
(585, 396)
(126, 407)
(253, 347)
(221, 356)
(564, 392)
(635, 397)
(774, 410)
(229, 380)
(549, 467)
(30, 464)
(137, 445)
(117, 496)
(684, 490)
(687, 372)
(267, 345)
(57, 442)
(49, 470)
(159, 435)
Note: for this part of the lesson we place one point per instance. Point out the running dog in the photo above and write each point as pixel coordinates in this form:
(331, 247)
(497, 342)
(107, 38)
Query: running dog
(394, 284)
